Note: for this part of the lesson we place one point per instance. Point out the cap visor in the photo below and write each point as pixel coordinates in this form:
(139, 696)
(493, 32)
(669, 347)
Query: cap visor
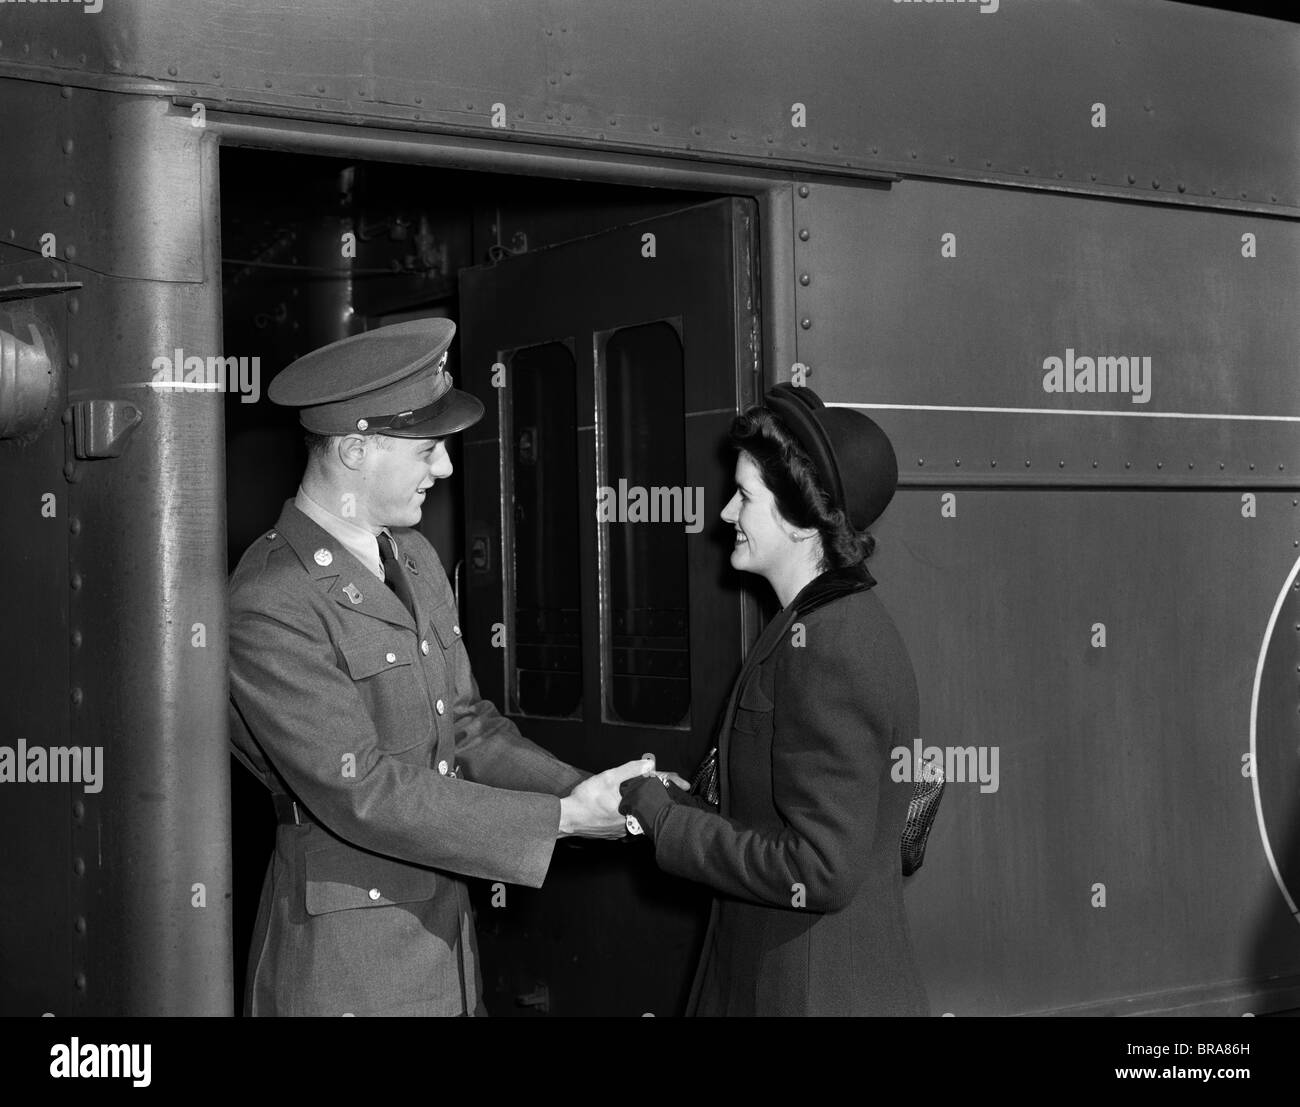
(461, 412)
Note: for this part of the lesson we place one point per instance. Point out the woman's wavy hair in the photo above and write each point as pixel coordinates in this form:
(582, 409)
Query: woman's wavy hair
(800, 496)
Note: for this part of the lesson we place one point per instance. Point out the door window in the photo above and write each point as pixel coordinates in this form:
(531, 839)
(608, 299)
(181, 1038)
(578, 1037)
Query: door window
(540, 523)
(641, 466)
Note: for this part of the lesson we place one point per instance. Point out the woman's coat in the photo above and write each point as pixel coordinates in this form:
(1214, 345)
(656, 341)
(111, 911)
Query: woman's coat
(804, 850)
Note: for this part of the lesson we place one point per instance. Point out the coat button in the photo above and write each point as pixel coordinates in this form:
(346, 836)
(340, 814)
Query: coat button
(424, 646)
(455, 629)
(439, 707)
(374, 893)
(442, 767)
(390, 657)
(270, 535)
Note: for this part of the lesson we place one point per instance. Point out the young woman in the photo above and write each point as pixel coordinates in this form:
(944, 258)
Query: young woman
(803, 851)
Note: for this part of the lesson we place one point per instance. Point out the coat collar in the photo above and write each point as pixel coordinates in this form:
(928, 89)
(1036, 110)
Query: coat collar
(818, 592)
(831, 585)
(349, 583)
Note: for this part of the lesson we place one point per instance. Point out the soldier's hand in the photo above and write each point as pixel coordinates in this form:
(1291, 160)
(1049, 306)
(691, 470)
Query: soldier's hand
(591, 809)
(669, 778)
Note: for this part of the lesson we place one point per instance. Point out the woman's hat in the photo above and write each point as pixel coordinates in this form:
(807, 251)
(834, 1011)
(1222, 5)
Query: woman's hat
(853, 456)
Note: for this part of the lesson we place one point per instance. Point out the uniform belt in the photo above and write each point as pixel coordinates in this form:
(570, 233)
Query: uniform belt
(289, 811)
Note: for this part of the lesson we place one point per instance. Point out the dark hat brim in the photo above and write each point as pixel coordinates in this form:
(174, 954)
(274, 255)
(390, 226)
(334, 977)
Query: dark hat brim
(799, 408)
(457, 411)
(851, 452)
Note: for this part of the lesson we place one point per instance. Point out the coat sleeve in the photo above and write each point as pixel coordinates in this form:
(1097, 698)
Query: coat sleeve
(832, 723)
(676, 795)
(489, 747)
(492, 751)
(313, 726)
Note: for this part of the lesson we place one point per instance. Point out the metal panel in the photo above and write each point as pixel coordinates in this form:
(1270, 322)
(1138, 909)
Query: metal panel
(948, 352)
(644, 927)
(1201, 105)
(1274, 750)
(143, 566)
(1119, 765)
(154, 693)
(563, 293)
(36, 958)
(66, 139)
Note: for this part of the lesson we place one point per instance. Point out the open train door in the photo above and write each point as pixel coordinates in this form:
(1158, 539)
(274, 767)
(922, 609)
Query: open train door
(601, 613)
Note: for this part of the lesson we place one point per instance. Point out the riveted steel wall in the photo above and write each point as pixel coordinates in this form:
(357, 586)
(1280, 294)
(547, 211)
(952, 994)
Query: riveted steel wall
(1119, 866)
(36, 958)
(1124, 97)
(939, 306)
(1125, 862)
(122, 608)
(1086, 579)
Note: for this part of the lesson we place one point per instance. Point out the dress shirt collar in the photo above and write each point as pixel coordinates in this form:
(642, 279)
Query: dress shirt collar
(356, 539)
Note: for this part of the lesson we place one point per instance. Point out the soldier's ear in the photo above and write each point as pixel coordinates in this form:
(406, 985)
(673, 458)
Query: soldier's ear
(352, 449)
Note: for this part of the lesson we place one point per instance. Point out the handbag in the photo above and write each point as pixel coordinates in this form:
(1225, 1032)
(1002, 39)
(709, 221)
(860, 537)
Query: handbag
(921, 808)
(705, 781)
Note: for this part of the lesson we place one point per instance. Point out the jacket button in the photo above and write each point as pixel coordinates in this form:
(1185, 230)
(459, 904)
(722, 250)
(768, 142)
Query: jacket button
(390, 657)
(424, 646)
(439, 707)
(374, 893)
(442, 767)
(455, 629)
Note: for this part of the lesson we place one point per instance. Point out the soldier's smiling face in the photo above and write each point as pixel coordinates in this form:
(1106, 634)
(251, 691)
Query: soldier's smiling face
(398, 473)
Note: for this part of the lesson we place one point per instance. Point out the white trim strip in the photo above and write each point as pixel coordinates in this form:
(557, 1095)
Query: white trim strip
(1077, 411)
(1254, 760)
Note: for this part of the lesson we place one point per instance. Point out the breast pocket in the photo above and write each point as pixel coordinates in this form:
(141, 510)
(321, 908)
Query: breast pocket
(445, 625)
(753, 710)
(372, 654)
(382, 666)
(338, 877)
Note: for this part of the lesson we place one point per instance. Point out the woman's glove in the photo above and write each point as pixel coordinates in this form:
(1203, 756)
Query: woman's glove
(645, 798)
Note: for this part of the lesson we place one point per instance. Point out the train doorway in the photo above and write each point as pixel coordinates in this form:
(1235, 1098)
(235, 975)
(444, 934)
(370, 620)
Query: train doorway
(611, 332)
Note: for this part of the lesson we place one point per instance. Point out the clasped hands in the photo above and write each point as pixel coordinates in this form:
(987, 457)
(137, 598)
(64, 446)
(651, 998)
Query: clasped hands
(591, 809)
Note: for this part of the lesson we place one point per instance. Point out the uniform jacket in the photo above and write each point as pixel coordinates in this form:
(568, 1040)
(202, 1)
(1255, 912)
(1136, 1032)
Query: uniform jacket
(804, 849)
(408, 780)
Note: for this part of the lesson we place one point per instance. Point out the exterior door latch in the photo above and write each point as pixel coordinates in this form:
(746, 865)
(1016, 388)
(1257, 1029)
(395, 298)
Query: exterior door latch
(98, 428)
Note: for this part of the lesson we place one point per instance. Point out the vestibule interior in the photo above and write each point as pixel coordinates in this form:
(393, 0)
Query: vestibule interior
(315, 249)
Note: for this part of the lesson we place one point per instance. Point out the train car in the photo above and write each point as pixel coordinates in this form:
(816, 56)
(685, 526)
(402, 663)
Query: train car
(1053, 248)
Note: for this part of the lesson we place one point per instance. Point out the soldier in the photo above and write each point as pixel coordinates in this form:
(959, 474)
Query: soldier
(352, 700)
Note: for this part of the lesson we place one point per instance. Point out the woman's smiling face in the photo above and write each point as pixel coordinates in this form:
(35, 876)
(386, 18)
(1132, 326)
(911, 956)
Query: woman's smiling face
(764, 543)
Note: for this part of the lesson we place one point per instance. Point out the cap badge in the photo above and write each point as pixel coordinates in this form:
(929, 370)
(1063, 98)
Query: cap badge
(350, 590)
(323, 556)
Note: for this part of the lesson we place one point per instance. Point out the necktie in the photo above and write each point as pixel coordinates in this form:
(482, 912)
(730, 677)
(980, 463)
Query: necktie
(393, 575)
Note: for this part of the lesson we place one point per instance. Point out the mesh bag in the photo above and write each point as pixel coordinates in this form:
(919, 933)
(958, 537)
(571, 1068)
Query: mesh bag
(921, 810)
